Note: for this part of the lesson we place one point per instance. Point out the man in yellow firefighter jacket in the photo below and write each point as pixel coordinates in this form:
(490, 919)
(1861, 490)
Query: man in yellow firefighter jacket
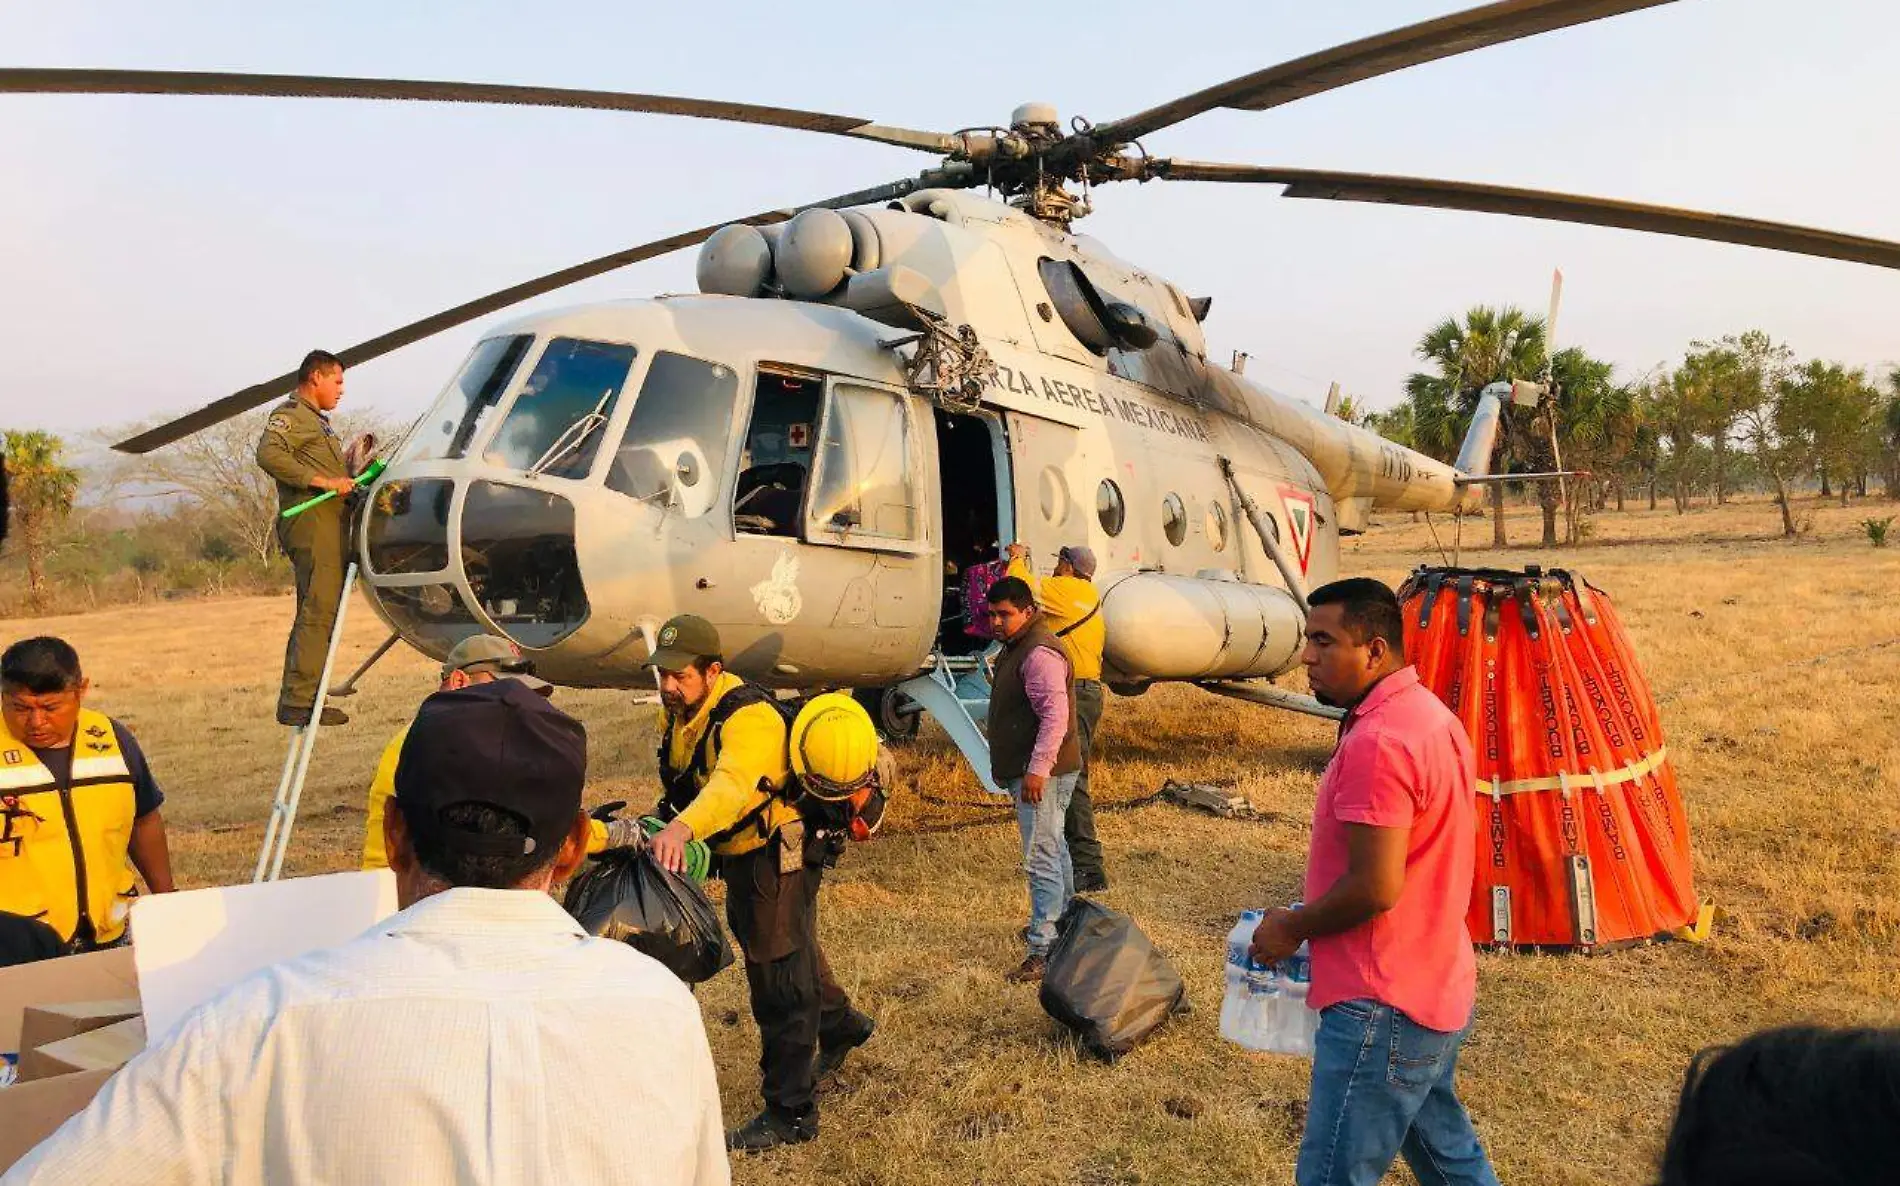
(725, 768)
(79, 810)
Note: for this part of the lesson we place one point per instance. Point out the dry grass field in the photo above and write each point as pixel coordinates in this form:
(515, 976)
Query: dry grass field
(1778, 668)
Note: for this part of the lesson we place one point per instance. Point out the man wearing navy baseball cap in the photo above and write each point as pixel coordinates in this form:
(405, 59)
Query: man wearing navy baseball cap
(481, 1022)
(488, 791)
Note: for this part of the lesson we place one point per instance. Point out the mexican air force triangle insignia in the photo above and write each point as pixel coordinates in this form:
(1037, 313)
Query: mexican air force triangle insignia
(1299, 518)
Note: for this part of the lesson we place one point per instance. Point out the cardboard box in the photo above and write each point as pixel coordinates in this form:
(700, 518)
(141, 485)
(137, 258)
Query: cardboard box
(95, 976)
(44, 1024)
(31, 1112)
(105, 1049)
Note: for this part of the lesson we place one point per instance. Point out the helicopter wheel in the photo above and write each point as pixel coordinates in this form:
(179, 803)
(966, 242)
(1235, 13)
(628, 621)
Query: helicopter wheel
(895, 714)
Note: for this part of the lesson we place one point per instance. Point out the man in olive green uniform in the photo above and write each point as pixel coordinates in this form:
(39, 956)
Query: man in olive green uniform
(301, 452)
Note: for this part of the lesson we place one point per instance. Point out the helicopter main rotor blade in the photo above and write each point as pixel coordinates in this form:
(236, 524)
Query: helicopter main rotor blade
(1532, 203)
(1370, 57)
(257, 394)
(305, 86)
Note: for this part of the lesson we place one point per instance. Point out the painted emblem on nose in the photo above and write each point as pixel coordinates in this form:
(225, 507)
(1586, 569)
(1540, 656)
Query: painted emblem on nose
(777, 596)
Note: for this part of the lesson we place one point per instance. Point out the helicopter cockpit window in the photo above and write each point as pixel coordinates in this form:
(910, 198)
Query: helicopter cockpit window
(865, 487)
(464, 407)
(674, 449)
(558, 419)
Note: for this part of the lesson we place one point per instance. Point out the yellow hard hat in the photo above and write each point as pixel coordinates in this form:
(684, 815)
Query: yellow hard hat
(834, 745)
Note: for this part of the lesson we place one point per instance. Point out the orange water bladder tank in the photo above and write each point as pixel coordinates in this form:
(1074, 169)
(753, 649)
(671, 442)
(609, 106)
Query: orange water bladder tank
(1582, 839)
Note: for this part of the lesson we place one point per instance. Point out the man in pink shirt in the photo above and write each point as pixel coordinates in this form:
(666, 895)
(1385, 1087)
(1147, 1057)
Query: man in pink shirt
(1035, 751)
(1388, 879)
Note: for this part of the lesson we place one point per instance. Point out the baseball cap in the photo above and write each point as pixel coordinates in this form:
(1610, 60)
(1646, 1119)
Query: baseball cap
(1080, 558)
(682, 640)
(497, 744)
(497, 655)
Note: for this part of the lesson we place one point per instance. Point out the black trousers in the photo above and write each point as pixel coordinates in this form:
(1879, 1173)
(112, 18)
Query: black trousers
(1078, 826)
(796, 1001)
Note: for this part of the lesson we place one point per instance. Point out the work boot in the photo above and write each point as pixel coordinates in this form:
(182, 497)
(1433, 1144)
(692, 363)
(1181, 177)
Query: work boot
(1029, 971)
(770, 1129)
(831, 1055)
(297, 718)
(1093, 882)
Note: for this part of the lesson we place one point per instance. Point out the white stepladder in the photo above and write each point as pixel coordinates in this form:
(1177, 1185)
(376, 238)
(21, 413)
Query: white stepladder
(303, 741)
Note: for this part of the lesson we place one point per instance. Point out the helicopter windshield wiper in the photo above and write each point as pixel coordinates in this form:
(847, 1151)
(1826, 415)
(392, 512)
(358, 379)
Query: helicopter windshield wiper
(575, 436)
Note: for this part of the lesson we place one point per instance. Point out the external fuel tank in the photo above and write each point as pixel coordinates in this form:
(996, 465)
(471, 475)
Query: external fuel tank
(1171, 627)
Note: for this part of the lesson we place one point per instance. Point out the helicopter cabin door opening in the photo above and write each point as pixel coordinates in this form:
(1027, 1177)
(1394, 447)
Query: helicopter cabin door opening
(973, 471)
(775, 463)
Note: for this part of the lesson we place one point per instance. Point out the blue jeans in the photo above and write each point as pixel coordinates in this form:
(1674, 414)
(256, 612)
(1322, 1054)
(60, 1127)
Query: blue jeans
(1381, 1088)
(1045, 856)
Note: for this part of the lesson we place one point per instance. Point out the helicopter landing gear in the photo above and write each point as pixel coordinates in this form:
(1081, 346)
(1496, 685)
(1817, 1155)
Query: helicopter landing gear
(895, 714)
(941, 692)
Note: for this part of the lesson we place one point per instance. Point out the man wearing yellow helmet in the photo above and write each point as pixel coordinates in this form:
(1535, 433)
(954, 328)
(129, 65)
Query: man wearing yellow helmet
(726, 768)
(842, 772)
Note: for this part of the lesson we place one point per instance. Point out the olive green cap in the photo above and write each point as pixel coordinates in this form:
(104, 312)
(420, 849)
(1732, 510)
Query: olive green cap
(682, 640)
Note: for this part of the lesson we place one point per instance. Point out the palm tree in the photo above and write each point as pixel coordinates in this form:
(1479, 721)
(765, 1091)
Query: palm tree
(1644, 458)
(1597, 422)
(1489, 345)
(42, 490)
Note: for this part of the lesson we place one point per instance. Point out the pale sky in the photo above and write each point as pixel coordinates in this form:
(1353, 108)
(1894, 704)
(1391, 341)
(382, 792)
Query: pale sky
(157, 253)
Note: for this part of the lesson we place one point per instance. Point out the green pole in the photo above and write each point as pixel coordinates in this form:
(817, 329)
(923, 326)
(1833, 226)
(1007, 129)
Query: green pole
(370, 473)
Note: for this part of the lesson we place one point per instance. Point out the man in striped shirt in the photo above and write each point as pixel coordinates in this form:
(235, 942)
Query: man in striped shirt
(478, 1036)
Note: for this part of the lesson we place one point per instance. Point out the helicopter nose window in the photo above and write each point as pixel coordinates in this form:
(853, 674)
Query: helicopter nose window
(518, 555)
(409, 526)
(431, 615)
(777, 458)
(462, 410)
(676, 436)
(557, 422)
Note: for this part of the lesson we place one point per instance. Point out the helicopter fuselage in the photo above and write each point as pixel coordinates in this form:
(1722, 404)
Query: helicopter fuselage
(765, 462)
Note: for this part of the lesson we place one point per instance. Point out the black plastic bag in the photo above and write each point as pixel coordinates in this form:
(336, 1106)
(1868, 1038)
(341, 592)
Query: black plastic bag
(623, 894)
(1106, 981)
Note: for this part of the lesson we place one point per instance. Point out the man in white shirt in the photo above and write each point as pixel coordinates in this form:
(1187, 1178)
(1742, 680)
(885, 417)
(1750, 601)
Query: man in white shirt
(479, 1036)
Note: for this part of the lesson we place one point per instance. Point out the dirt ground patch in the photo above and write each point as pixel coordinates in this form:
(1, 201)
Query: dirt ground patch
(1778, 667)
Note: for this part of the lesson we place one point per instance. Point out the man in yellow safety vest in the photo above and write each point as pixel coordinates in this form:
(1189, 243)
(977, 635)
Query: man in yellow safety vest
(79, 811)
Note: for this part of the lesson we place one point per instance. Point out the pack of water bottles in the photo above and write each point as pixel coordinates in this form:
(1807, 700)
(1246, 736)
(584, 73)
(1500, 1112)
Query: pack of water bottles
(1265, 1006)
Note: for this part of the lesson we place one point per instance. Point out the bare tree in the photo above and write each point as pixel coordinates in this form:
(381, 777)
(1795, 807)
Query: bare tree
(216, 468)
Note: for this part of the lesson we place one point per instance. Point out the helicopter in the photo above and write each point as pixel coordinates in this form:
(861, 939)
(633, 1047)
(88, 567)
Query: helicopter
(873, 391)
